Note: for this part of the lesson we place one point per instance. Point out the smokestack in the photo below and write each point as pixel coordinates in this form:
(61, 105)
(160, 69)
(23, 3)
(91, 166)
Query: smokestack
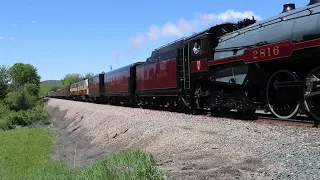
(313, 2)
(289, 7)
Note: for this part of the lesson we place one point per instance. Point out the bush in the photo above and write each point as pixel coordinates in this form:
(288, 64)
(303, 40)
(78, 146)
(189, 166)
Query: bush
(31, 116)
(4, 109)
(32, 89)
(20, 101)
(6, 121)
(24, 117)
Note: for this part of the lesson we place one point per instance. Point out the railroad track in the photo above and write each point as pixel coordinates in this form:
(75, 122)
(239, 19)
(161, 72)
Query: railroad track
(259, 117)
(300, 121)
(267, 118)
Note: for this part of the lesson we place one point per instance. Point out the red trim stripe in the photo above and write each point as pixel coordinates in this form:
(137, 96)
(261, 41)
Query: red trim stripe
(267, 52)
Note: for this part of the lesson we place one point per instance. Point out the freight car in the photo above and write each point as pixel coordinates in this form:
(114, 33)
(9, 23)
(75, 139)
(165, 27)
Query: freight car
(271, 64)
(65, 92)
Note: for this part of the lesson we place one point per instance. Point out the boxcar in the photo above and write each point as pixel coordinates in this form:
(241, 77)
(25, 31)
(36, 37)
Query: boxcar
(65, 92)
(50, 94)
(58, 93)
(96, 88)
(120, 84)
(53, 94)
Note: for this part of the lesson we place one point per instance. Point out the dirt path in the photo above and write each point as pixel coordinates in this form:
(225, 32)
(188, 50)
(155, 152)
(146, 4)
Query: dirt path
(191, 147)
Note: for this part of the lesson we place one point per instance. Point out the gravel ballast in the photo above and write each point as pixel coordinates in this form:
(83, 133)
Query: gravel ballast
(189, 146)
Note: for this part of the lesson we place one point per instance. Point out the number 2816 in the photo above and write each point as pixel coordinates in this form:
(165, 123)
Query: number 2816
(266, 52)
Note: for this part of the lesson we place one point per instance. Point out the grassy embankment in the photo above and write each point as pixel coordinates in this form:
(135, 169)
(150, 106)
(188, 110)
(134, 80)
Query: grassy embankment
(26, 152)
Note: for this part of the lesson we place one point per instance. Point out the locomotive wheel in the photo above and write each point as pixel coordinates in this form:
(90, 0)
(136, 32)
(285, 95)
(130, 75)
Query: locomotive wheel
(283, 102)
(312, 94)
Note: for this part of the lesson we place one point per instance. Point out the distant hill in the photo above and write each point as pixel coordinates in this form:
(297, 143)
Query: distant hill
(51, 83)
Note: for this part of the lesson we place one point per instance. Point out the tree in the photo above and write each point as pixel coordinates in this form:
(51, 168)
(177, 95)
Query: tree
(31, 89)
(22, 74)
(88, 75)
(71, 78)
(4, 80)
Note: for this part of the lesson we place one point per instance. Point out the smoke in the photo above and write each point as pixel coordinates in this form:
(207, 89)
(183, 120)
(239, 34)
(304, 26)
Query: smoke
(183, 26)
(116, 54)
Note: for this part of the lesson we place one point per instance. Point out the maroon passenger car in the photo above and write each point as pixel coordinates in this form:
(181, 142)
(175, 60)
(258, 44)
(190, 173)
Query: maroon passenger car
(120, 84)
(96, 88)
(158, 79)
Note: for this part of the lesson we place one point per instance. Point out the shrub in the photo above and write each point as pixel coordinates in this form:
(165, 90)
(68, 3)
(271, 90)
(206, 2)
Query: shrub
(6, 121)
(20, 101)
(4, 109)
(31, 116)
(32, 89)
(22, 109)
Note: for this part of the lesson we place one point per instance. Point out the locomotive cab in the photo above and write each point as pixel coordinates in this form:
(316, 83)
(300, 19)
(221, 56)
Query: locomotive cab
(213, 35)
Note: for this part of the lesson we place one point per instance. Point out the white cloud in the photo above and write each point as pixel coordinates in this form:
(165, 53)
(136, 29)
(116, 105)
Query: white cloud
(154, 33)
(34, 21)
(183, 26)
(138, 41)
(14, 25)
(1, 37)
(11, 38)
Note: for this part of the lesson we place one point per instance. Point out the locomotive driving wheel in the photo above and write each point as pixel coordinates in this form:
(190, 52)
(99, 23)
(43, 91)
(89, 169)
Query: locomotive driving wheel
(312, 93)
(283, 96)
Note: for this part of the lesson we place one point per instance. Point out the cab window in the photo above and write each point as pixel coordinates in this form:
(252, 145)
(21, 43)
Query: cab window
(196, 47)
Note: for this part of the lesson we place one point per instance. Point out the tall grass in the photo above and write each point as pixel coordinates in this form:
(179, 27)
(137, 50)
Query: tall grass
(26, 154)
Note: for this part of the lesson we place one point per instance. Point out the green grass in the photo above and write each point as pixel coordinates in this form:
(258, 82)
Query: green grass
(26, 153)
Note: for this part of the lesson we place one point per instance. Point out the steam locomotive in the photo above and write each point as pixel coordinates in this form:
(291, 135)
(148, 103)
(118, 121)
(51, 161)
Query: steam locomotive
(273, 64)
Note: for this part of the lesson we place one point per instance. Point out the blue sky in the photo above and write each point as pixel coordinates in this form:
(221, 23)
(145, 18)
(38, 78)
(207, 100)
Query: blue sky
(60, 37)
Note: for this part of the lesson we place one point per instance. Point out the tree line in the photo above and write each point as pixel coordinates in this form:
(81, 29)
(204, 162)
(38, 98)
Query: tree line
(67, 80)
(73, 78)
